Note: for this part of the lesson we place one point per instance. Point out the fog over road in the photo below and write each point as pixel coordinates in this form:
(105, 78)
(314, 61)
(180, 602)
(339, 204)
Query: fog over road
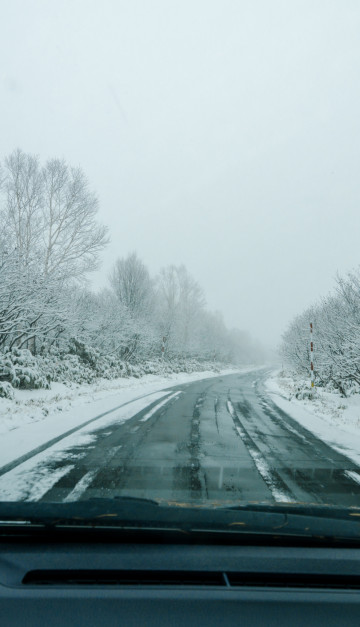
(220, 439)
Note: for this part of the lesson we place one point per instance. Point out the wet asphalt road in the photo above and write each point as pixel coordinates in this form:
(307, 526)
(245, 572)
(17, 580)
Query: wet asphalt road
(220, 439)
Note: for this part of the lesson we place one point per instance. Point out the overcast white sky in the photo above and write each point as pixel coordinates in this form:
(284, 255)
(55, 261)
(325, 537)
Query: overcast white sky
(222, 134)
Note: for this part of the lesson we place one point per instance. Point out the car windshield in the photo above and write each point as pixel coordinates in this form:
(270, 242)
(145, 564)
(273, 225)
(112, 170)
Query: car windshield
(179, 259)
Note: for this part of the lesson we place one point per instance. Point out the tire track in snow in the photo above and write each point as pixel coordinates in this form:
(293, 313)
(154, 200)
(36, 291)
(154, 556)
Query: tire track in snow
(80, 487)
(158, 406)
(277, 487)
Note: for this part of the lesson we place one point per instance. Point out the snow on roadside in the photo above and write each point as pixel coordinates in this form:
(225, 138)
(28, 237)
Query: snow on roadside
(332, 418)
(37, 416)
(31, 480)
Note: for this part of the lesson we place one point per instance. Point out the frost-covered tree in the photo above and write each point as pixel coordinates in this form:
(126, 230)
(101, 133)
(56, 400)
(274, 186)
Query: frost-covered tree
(336, 322)
(133, 288)
(72, 238)
(21, 215)
(49, 239)
(180, 305)
(49, 213)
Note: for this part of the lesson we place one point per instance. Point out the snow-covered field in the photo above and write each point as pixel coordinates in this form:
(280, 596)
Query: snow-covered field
(333, 419)
(36, 417)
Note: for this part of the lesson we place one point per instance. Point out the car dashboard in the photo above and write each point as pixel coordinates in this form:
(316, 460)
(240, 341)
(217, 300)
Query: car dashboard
(158, 583)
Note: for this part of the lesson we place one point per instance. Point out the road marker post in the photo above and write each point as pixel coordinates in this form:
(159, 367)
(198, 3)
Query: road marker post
(312, 376)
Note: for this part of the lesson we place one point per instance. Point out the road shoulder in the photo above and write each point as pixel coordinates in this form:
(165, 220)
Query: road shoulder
(329, 417)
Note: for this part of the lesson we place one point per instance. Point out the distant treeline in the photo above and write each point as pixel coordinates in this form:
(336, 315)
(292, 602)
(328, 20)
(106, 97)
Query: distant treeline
(50, 241)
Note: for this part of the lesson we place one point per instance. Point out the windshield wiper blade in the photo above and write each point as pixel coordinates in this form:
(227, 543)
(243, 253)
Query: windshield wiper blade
(77, 512)
(138, 515)
(312, 509)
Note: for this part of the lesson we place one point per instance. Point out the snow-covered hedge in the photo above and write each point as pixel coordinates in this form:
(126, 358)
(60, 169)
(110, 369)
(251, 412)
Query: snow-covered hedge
(80, 364)
(21, 369)
(67, 368)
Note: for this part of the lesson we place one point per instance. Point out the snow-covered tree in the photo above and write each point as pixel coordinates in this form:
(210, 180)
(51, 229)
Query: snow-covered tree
(132, 286)
(49, 239)
(180, 305)
(336, 323)
(72, 238)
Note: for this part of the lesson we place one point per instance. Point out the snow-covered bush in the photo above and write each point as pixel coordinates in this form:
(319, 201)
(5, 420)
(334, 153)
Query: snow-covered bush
(304, 392)
(87, 354)
(66, 368)
(6, 390)
(22, 370)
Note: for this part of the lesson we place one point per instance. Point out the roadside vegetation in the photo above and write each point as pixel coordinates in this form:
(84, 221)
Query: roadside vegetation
(336, 336)
(53, 327)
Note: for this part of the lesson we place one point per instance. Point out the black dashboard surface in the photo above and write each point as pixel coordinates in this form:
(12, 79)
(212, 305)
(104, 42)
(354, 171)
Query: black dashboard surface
(73, 583)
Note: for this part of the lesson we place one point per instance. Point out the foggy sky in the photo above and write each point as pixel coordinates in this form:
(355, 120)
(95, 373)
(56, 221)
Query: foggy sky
(220, 134)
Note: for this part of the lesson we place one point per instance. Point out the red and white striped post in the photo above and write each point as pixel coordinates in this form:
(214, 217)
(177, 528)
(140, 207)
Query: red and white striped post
(312, 356)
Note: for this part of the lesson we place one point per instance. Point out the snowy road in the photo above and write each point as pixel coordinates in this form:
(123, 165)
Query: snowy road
(212, 440)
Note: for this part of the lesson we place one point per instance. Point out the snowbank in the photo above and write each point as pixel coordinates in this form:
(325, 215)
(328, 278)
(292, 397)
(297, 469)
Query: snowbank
(332, 418)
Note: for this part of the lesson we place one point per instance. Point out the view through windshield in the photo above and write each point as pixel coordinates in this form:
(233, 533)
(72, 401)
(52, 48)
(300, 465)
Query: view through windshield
(179, 259)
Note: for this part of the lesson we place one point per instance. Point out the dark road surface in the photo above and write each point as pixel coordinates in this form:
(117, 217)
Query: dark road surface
(220, 439)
